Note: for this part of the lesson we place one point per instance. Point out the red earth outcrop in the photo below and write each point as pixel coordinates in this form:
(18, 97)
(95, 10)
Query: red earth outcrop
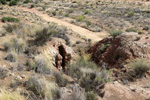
(116, 51)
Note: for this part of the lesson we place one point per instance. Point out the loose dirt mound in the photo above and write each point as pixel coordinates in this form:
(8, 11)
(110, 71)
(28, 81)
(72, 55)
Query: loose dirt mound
(116, 51)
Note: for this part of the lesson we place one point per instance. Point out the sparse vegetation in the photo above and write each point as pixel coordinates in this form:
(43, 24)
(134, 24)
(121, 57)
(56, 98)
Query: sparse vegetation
(40, 87)
(131, 30)
(140, 67)
(87, 12)
(91, 96)
(130, 13)
(78, 93)
(4, 2)
(88, 76)
(41, 66)
(16, 45)
(12, 57)
(115, 33)
(7, 95)
(10, 19)
(88, 23)
(60, 80)
(31, 65)
(30, 45)
(46, 33)
(32, 6)
(3, 73)
(80, 18)
(13, 2)
(21, 30)
(103, 47)
(27, 1)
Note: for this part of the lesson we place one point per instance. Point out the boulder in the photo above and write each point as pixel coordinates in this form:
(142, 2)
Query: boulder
(59, 53)
(117, 50)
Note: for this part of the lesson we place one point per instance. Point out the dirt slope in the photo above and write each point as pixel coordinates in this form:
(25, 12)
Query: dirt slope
(94, 36)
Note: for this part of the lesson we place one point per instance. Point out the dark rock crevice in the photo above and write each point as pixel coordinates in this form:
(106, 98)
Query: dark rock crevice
(62, 52)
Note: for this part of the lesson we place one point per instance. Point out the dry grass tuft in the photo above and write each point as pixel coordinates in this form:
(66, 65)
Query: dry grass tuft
(6, 95)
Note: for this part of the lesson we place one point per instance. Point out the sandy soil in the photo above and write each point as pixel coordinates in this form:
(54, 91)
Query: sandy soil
(94, 36)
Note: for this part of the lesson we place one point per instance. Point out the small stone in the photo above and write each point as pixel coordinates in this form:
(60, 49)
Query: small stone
(18, 78)
(11, 74)
(22, 76)
(148, 98)
(4, 66)
(133, 89)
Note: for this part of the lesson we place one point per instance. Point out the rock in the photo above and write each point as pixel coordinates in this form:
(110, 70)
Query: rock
(11, 74)
(4, 66)
(3, 73)
(125, 82)
(19, 67)
(133, 88)
(23, 76)
(68, 78)
(117, 91)
(11, 57)
(59, 53)
(116, 51)
(18, 78)
(148, 98)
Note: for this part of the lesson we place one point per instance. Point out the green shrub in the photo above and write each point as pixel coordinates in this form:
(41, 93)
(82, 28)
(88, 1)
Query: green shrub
(140, 66)
(67, 15)
(78, 42)
(103, 47)
(131, 13)
(91, 96)
(4, 2)
(54, 13)
(9, 19)
(44, 34)
(27, 1)
(88, 23)
(140, 32)
(87, 12)
(131, 30)
(32, 6)
(74, 1)
(13, 2)
(115, 33)
(49, 31)
(80, 18)
(117, 56)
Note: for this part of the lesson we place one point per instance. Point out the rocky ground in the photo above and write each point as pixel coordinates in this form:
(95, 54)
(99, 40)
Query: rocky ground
(73, 50)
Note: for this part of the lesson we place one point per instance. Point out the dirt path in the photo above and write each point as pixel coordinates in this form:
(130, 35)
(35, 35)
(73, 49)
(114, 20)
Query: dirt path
(94, 36)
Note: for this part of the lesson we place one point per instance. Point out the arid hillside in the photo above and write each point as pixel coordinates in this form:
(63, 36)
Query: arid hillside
(74, 50)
